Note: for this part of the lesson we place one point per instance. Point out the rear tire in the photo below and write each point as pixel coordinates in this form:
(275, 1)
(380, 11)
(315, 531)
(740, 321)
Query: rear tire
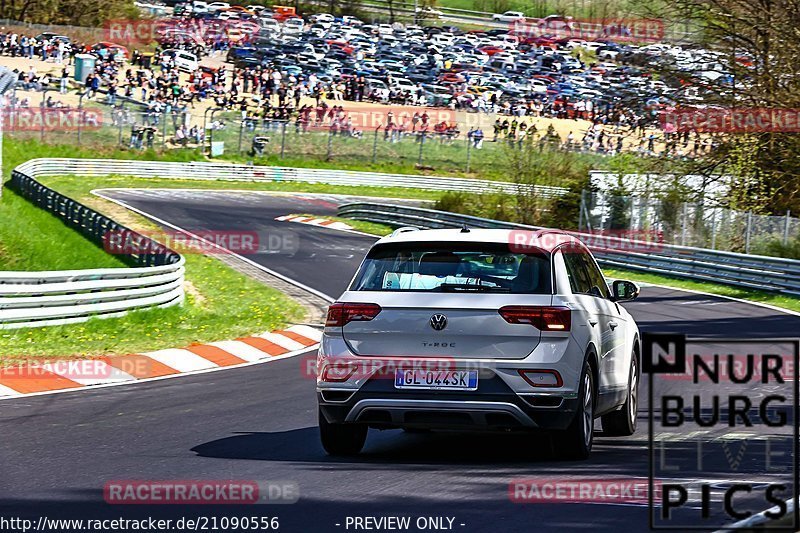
(341, 439)
(622, 423)
(575, 442)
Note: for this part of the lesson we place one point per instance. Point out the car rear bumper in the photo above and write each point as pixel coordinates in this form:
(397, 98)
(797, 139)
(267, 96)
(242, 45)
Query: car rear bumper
(381, 407)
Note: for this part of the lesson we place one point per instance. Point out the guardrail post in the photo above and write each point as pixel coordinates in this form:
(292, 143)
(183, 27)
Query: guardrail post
(119, 133)
(714, 231)
(747, 233)
(469, 150)
(683, 223)
(283, 138)
(375, 147)
(241, 133)
(164, 129)
(80, 120)
(786, 227)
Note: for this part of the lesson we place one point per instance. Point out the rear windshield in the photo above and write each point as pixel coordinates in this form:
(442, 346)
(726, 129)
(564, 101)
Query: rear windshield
(454, 267)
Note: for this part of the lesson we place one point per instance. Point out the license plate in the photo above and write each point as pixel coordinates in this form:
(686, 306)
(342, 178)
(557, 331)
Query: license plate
(436, 379)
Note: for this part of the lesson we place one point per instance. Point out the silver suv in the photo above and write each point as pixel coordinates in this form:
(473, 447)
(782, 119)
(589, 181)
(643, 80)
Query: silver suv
(479, 330)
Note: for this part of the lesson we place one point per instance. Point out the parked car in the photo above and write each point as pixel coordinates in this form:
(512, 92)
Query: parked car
(509, 16)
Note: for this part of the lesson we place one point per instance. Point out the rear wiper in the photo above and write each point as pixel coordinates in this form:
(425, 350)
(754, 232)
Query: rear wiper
(457, 287)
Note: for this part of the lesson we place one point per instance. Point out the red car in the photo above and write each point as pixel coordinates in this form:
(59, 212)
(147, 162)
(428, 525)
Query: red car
(112, 49)
(341, 45)
(451, 77)
(491, 50)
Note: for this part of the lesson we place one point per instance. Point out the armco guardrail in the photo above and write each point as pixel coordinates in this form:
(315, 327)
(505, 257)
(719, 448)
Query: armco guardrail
(748, 271)
(44, 298)
(234, 172)
(49, 298)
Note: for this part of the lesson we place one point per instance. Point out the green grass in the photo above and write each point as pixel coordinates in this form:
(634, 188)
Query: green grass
(442, 159)
(220, 304)
(310, 151)
(33, 239)
(318, 149)
(785, 302)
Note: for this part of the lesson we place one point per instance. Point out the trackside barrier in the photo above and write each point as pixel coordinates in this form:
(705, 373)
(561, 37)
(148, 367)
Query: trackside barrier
(771, 274)
(238, 172)
(48, 298)
(32, 299)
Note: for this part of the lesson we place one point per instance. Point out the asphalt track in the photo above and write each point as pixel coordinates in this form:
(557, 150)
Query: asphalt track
(259, 422)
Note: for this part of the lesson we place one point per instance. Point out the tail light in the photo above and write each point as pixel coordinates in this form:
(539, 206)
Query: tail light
(542, 318)
(340, 313)
(336, 373)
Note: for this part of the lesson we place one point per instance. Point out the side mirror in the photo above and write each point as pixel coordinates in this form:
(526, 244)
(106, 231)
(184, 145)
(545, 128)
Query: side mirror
(623, 290)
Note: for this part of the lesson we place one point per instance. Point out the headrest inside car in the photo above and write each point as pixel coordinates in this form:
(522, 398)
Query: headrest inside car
(438, 264)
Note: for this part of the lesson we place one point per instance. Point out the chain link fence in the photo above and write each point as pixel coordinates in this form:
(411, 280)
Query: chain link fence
(687, 224)
(101, 121)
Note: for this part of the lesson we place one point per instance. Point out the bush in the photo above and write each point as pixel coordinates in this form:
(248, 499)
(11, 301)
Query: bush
(776, 248)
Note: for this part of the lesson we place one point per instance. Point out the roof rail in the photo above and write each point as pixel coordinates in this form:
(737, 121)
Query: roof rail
(404, 229)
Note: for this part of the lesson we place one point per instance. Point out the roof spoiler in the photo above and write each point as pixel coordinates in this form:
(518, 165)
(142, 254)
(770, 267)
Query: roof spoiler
(404, 229)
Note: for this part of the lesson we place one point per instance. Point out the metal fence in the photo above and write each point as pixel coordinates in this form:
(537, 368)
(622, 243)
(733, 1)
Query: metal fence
(127, 123)
(62, 297)
(237, 172)
(687, 224)
(740, 270)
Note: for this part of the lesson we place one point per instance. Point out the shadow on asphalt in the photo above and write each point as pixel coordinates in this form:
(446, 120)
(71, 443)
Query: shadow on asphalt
(397, 447)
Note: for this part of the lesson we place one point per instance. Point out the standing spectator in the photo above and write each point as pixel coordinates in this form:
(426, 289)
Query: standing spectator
(477, 138)
(63, 81)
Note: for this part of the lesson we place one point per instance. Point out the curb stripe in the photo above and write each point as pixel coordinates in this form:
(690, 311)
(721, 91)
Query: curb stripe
(216, 355)
(8, 391)
(305, 341)
(270, 348)
(242, 350)
(23, 381)
(140, 366)
(282, 340)
(307, 331)
(324, 222)
(101, 373)
(62, 375)
(180, 360)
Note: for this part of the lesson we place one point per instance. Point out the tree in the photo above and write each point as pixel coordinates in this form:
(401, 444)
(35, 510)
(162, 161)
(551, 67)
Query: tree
(760, 44)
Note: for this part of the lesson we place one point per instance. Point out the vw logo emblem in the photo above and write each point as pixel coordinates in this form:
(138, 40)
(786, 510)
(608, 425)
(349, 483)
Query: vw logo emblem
(438, 322)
